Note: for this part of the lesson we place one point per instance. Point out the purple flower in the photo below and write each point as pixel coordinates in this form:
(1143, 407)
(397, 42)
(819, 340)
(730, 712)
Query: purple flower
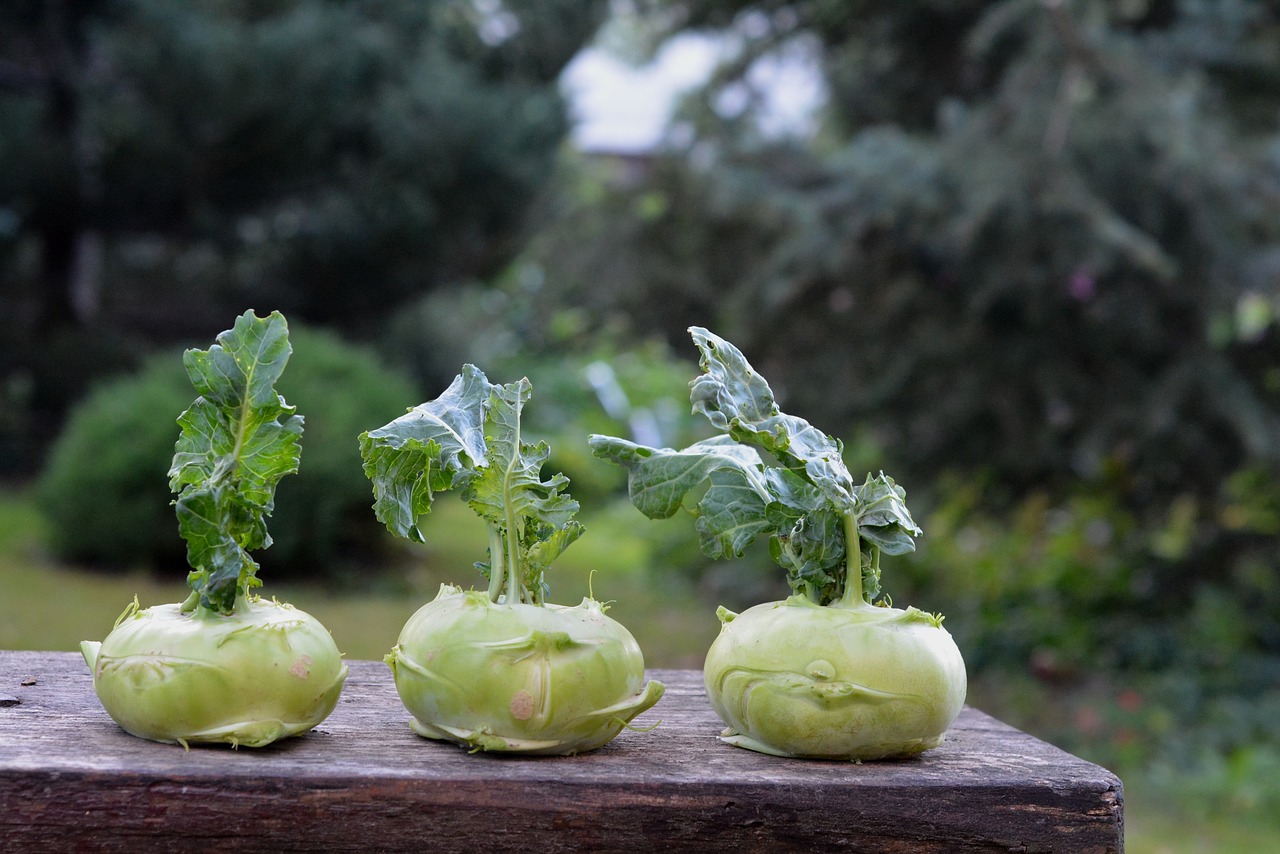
(1082, 285)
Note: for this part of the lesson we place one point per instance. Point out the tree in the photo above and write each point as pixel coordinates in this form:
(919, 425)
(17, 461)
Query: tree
(1039, 238)
(163, 166)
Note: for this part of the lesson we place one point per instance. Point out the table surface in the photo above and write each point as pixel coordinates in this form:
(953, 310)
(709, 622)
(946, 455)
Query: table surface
(69, 777)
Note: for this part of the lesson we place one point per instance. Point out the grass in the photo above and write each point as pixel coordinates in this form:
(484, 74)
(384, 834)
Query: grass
(53, 607)
(1161, 828)
(50, 606)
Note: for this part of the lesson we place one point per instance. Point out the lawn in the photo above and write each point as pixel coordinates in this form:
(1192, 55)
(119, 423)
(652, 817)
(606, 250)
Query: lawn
(50, 606)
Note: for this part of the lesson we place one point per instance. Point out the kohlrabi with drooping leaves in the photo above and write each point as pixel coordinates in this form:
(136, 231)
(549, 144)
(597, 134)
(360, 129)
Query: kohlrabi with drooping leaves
(499, 669)
(224, 666)
(824, 673)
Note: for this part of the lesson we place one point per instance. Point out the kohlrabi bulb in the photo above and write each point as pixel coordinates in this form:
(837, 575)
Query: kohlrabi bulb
(793, 678)
(522, 678)
(262, 673)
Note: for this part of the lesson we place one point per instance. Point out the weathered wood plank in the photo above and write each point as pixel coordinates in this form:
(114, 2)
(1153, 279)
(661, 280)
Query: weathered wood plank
(70, 779)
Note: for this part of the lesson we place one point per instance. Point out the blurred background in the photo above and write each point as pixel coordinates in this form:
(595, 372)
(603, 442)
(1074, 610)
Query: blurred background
(1024, 256)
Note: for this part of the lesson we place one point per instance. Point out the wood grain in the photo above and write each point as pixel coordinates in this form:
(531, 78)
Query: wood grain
(71, 780)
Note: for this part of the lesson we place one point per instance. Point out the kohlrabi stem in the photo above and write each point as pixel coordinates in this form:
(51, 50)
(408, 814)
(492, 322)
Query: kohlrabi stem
(852, 597)
(513, 563)
(497, 560)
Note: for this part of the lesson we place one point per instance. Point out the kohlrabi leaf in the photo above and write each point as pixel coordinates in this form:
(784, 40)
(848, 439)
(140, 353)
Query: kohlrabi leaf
(533, 516)
(731, 514)
(548, 544)
(729, 392)
(737, 400)
(658, 479)
(237, 440)
(509, 490)
(809, 545)
(883, 518)
(470, 438)
(425, 450)
(807, 503)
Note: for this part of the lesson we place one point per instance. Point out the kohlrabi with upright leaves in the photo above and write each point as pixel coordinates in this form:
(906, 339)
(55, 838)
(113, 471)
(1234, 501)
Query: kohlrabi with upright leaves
(224, 666)
(499, 669)
(824, 673)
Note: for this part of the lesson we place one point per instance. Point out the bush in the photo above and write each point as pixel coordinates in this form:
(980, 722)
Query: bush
(105, 490)
(1084, 626)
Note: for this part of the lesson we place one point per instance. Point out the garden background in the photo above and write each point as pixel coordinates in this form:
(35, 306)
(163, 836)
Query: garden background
(1024, 257)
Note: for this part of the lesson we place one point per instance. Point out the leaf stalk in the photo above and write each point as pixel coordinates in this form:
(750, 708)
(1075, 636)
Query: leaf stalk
(497, 562)
(852, 596)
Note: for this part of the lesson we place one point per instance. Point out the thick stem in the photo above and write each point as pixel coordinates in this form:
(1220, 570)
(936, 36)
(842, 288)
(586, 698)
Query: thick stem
(513, 565)
(512, 537)
(852, 597)
(193, 605)
(497, 563)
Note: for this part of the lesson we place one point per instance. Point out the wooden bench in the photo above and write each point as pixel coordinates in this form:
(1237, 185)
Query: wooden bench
(71, 780)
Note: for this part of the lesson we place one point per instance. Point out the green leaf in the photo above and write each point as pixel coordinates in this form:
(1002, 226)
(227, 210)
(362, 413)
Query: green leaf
(810, 546)
(883, 518)
(470, 439)
(729, 390)
(431, 448)
(890, 539)
(883, 502)
(543, 548)
(658, 479)
(801, 504)
(509, 489)
(224, 564)
(738, 401)
(237, 440)
(731, 514)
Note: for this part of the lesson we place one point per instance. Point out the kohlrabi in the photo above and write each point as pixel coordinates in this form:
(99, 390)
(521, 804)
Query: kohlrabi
(824, 673)
(499, 669)
(224, 666)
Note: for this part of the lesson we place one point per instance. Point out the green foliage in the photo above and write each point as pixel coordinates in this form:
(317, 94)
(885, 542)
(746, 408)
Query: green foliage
(1122, 660)
(1049, 251)
(238, 439)
(162, 165)
(808, 504)
(104, 491)
(395, 143)
(471, 438)
(425, 451)
(1076, 583)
